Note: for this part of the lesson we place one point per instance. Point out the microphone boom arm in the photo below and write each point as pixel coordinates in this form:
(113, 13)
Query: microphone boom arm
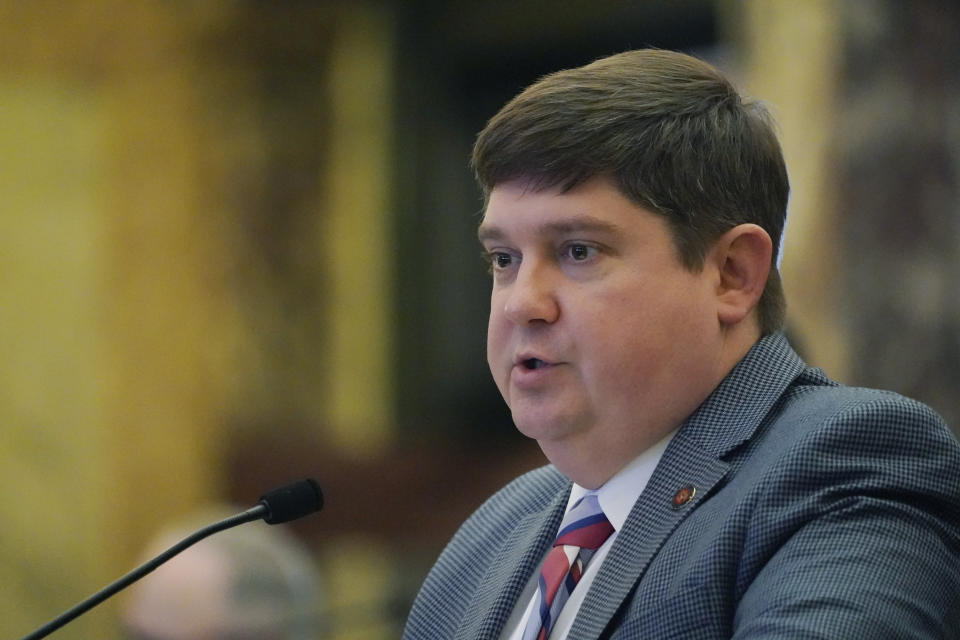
(254, 513)
(280, 505)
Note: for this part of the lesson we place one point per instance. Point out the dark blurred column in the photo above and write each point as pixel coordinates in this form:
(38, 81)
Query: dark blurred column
(867, 95)
(898, 158)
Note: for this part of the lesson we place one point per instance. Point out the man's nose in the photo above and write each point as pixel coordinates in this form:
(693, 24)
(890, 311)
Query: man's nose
(532, 296)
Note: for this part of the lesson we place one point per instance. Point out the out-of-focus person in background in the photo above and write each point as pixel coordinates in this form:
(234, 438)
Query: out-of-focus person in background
(249, 583)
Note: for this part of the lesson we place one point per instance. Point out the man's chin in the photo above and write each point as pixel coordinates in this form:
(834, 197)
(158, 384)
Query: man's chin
(544, 428)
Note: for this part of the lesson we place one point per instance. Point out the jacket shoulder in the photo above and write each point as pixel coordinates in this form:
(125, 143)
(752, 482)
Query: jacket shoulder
(458, 572)
(816, 405)
(532, 492)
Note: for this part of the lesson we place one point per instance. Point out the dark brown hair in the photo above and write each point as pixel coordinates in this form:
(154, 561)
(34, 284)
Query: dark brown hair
(672, 134)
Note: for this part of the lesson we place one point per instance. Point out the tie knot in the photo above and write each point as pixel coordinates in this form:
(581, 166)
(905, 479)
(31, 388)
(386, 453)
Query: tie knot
(585, 525)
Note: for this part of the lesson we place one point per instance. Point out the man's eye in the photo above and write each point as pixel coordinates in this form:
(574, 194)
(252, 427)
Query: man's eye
(498, 260)
(580, 252)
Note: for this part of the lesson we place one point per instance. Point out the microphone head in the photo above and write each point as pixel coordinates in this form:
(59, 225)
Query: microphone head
(292, 501)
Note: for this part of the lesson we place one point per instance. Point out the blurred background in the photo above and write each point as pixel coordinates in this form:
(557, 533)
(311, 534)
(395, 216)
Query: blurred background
(237, 247)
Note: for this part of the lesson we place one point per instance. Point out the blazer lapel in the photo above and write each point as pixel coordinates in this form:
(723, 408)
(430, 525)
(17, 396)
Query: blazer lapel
(508, 573)
(690, 468)
(657, 512)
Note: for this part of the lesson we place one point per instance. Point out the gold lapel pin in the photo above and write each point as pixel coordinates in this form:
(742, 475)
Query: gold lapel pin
(683, 496)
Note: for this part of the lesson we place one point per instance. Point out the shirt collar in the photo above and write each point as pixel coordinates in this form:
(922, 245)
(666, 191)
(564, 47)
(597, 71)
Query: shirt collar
(618, 495)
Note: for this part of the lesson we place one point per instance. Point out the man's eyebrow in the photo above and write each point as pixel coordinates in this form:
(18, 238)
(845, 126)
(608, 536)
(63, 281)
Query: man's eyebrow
(489, 233)
(579, 224)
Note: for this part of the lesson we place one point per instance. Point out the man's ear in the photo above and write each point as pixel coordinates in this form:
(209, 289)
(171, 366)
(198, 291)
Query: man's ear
(742, 258)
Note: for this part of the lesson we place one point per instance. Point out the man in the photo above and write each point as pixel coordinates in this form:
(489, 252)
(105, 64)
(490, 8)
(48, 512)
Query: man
(248, 583)
(710, 484)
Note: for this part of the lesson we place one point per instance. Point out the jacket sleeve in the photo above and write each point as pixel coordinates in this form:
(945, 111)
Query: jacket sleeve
(868, 509)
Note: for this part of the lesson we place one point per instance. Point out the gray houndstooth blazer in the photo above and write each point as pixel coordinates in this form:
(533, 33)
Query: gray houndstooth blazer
(819, 511)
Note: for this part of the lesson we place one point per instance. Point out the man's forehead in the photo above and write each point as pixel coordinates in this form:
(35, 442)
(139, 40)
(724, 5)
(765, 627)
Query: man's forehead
(562, 224)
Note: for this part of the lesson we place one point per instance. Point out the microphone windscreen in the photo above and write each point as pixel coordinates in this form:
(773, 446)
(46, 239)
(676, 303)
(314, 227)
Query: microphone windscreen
(292, 501)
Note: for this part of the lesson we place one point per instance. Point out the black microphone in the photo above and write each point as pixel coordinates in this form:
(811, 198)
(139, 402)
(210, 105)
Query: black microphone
(280, 505)
(292, 501)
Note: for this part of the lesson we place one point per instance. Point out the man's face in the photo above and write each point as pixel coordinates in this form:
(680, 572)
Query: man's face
(599, 340)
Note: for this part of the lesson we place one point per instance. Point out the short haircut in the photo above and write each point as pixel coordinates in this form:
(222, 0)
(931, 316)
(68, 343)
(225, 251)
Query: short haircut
(669, 130)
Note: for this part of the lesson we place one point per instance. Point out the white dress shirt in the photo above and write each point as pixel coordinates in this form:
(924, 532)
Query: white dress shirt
(616, 498)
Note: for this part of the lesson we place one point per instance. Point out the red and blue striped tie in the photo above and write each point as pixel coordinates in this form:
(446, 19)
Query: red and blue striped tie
(583, 530)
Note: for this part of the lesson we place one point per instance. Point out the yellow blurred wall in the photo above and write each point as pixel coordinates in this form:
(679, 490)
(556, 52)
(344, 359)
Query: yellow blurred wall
(111, 375)
(123, 337)
(51, 387)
